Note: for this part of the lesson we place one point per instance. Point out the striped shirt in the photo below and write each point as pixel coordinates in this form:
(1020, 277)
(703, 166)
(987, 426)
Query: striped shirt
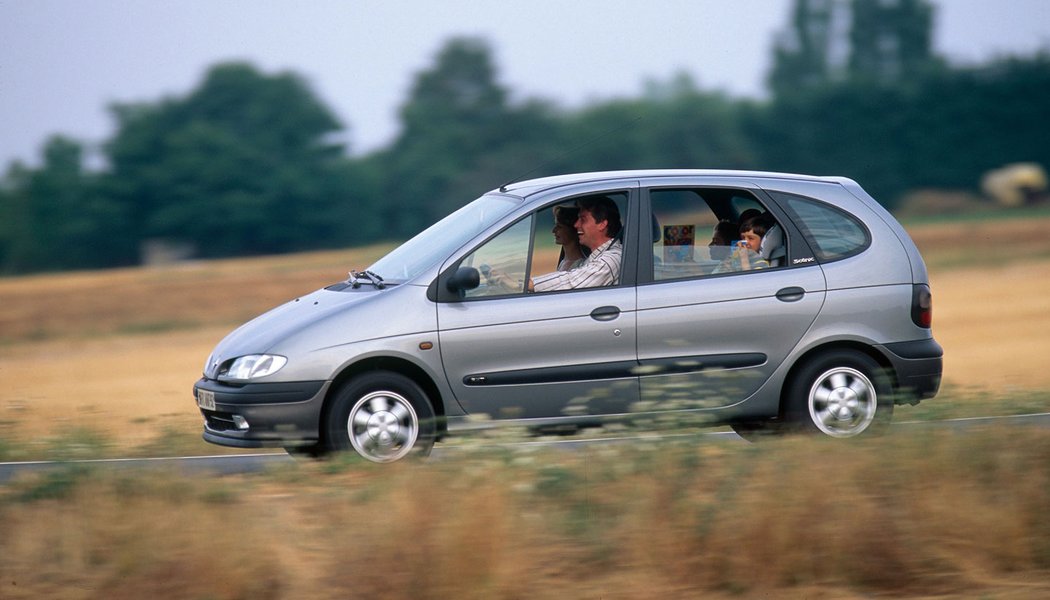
(601, 268)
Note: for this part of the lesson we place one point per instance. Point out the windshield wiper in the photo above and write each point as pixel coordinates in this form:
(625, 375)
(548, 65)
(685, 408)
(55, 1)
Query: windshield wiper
(368, 276)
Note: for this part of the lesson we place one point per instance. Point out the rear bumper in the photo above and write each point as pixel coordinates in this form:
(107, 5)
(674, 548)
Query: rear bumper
(918, 366)
(261, 415)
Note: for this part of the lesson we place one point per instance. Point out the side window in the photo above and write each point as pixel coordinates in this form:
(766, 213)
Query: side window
(502, 262)
(831, 232)
(546, 243)
(567, 257)
(699, 232)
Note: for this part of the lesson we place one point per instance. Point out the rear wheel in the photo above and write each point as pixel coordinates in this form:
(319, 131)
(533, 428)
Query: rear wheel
(840, 394)
(383, 416)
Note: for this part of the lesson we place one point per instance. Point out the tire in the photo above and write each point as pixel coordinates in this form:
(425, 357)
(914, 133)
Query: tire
(840, 394)
(381, 415)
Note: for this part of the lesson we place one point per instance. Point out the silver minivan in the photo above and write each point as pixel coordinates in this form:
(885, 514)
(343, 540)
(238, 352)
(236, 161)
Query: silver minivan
(814, 315)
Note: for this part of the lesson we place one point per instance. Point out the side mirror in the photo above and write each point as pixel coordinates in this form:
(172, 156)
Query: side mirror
(465, 278)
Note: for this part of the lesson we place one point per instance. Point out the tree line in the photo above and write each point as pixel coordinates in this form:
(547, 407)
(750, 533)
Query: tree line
(252, 163)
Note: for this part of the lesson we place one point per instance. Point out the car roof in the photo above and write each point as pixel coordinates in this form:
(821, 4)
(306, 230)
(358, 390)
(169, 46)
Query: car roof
(542, 184)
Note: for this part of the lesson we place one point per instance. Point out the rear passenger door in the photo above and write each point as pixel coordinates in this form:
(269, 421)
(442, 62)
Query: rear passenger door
(709, 332)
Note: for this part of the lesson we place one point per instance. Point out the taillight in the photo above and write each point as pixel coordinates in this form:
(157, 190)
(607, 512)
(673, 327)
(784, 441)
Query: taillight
(922, 306)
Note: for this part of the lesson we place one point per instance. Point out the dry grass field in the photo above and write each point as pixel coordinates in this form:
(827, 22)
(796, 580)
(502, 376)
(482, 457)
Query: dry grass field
(937, 515)
(101, 364)
(990, 281)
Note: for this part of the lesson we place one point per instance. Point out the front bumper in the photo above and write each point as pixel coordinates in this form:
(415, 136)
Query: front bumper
(918, 366)
(260, 415)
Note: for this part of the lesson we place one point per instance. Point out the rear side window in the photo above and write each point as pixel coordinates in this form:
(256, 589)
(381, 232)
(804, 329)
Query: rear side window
(697, 232)
(832, 233)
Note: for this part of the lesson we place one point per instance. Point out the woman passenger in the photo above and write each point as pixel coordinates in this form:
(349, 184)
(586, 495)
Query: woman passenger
(565, 235)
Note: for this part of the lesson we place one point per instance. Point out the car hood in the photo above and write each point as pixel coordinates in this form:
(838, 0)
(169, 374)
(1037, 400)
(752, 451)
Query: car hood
(324, 318)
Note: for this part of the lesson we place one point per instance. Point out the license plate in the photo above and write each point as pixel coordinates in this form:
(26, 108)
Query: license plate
(205, 399)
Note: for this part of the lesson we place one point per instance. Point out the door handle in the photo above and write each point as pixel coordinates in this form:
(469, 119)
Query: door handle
(605, 313)
(791, 294)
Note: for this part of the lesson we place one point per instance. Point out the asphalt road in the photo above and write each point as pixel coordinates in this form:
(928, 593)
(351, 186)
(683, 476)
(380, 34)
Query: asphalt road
(250, 463)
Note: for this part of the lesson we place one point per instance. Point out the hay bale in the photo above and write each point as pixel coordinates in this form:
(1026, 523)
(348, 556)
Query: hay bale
(1016, 184)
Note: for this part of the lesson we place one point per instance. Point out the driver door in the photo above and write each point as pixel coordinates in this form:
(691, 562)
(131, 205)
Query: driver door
(510, 354)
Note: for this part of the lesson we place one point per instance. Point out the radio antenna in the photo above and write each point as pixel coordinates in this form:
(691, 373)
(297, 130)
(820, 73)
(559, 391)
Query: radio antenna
(570, 151)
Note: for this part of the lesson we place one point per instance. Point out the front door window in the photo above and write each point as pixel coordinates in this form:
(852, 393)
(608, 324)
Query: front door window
(502, 262)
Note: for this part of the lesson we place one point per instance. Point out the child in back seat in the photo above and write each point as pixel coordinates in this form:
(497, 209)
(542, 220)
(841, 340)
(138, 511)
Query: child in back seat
(746, 253)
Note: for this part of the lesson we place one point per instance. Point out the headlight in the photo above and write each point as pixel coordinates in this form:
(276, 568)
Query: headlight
(253, 366)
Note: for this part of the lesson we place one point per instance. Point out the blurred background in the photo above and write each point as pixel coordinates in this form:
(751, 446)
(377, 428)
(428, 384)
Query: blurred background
(160, 133)
(142, 133)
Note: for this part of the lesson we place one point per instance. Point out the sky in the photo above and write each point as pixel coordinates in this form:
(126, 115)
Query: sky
(63, 62)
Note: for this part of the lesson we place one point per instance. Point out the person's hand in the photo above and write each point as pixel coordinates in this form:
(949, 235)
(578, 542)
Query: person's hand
(486, 272)
(497, 277)
(744, 251)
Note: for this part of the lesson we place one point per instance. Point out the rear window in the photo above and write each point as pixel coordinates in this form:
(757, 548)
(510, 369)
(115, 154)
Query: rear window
(831, 232)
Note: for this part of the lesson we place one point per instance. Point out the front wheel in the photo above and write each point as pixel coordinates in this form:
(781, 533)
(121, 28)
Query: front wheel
(383, 416)
(840, 394)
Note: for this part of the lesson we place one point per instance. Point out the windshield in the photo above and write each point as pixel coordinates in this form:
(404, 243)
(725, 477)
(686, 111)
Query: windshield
(436, 242)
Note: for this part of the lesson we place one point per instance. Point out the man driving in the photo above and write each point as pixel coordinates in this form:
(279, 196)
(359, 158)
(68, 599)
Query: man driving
(598, 226)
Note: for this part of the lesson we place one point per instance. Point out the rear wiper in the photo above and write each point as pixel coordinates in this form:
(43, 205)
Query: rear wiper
(373, 278)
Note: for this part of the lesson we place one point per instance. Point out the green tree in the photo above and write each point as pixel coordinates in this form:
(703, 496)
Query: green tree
(673, 124)
(851, 83)
(963, 122)
(812, 50)
(851, 129)
(941, 128)
(831, 41)
(459, 136)
(891, 41)
(57, 217)
(242, 165)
